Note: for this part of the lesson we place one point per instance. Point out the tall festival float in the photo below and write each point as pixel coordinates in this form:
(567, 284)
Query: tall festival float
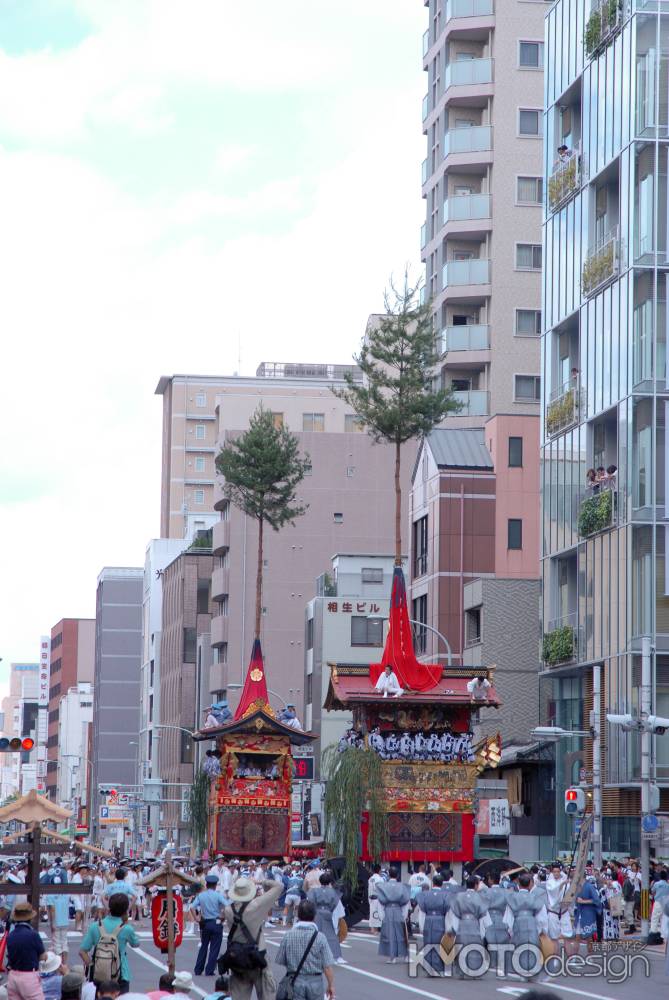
(251, 771)
(429, 761)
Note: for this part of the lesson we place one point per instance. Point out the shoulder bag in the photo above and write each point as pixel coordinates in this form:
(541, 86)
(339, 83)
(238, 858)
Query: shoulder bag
(286, 988)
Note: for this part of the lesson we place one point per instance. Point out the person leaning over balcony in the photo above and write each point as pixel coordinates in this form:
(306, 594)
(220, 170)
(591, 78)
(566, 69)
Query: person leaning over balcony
(591, 480)
(611, 475)
(564, 153)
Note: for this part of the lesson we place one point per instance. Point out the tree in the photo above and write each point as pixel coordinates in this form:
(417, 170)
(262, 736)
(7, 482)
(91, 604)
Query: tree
(397, 400)
(262, 469)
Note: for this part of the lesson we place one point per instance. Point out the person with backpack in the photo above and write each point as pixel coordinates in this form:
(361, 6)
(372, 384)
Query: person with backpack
(103, 950)
(245, 956)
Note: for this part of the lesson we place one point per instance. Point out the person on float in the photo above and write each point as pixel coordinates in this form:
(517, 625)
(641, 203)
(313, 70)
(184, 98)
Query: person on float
(388, 683)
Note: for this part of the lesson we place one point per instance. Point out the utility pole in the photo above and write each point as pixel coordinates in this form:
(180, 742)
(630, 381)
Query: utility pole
(646, 738)
(596, 765)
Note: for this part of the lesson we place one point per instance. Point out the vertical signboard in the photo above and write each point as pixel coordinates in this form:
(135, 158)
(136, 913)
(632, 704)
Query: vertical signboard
(43, 709)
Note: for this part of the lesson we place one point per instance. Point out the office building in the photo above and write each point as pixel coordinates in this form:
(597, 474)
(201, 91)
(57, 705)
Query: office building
(75, 717)
(474, 560)
(72, 657)
(344, 624)
(116, 690)
(483, 189)
(606, 391)
(20, 710)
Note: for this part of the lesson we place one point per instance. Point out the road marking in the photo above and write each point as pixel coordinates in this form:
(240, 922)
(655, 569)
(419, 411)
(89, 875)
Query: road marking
(154, 961)
(554, 986)
(393, 982)
(511, 991)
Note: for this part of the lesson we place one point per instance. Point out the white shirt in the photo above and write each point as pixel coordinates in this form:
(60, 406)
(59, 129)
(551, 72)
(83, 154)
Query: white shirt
(389, 684)
(293, 723)
(555, 890)
(478, 690)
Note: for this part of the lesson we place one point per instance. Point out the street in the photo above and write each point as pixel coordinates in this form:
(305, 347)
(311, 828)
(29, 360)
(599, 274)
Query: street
(368, 976)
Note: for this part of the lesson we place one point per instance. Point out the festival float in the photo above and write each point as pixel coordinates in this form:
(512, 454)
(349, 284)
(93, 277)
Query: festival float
(251, 771)
(427, 764)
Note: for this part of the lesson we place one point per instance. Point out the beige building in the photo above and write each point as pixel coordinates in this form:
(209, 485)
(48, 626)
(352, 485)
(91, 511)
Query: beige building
(482, 182)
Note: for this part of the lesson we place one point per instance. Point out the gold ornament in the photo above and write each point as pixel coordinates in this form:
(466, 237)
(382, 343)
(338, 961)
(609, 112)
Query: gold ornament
(256, 674)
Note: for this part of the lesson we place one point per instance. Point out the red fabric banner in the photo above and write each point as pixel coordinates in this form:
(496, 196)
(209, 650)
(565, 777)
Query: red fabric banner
(254, 695)
(159, 920)
(398, 651)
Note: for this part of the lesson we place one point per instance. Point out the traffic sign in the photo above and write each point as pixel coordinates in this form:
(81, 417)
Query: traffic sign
(650, 834)
(650, 823)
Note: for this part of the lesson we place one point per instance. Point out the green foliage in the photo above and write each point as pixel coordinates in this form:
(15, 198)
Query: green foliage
(595, 513)
(354, 785)
(558, 645)
(561, 412)
(397, 400)
(198, 810)
(262, 469)
(598, 267)
(593, 32)
(600, 24)
(202, 540)
(563, 183)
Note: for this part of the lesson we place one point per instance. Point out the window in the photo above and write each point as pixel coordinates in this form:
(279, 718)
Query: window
(186, 748)
(223, 655)
(199, 463)
(419, 615)
(366, 631)
(308, 469)
(353, 424)
(372, 574)
(200, 432)
(530, 190)
(310, 633)
(201, 399)
(530, 55)
(527, 388)
(278, 420)
(198, 496)
(529, 122)
(190, 645)
(528, 256)
(350, 471)
(420, 547)
(223, 605)
(202, 596)
(309, 690)
(313, 421)
(514, 533)
(338, 517)
(472, 627)
(528, 322)
(515, 453)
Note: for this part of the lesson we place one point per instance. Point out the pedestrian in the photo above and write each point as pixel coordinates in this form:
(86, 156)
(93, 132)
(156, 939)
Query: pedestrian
(559, 919)
(70, 988)
(375, 907)
(468, 908)
(394, 896)
(435, 904)
(292, 881)
(182, 984)
(312, 879)
(326, 900)
(610, 894)
(587, 905)
(245, 918)
(306, 955)
(105, 991)
(165, 987)
(526, 908)
(58, 908)
(115, 934)
(25, 951)
(221, 989)
(208, 910)
(50, 974)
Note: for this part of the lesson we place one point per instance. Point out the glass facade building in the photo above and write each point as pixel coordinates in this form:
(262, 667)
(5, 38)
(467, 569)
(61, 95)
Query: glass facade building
(606, 389)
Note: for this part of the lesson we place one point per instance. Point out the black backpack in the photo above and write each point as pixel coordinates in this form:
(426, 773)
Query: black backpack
(628, 890)
(241, 956)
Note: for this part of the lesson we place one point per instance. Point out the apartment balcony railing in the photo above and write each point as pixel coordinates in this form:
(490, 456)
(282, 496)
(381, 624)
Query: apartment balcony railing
(468, 72)
(466, 272)
(461, 208)
(465, 338)
(565, 180)
(426, 106)
(298, 369)
(598, 509)
(602, 264)
(560, 642)
(564, 408)
(326, 585)
(475, 139)
(423, 171)
(473, 402)
(423, 235)
(605, 21)
(426, 42)
(468, 8)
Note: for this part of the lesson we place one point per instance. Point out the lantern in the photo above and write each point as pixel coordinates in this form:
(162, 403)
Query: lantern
(159, 920)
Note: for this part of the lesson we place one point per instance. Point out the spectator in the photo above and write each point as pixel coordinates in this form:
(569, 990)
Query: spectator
(208, 909)
(251, 910)
(611, 475)
(51, 974)
(183, 984)
(25, 951)
(116, 923)
(70, 988)
(591, 479)
(304, 947)
(109, 990)
(165, 987)
(221, 989)
(119, 885)
(563, 153)
(58, 908)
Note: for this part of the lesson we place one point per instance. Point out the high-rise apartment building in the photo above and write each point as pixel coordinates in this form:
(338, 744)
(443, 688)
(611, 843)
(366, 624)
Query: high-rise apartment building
(606, 389)
(72, 663)
(483, 186)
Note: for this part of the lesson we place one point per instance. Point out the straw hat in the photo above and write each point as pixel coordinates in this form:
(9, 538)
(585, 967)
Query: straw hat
(23, 911)
(51, 963)
(183, 981)
(243, 891)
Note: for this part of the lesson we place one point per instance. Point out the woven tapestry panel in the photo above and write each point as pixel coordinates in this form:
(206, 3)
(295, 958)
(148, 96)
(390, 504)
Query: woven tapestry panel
(414, 831)
(253, 831)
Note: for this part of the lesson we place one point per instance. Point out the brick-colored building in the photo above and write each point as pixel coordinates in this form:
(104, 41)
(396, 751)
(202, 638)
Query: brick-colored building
(72, 662)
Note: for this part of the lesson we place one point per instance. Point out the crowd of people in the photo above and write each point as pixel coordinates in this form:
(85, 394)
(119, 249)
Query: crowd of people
(601, 479)
(421, 746)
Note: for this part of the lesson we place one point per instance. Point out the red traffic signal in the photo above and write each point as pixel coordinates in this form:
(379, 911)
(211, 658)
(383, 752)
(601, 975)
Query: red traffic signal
(16, 744)
(571, 795)
(27, 743)
(574, 801)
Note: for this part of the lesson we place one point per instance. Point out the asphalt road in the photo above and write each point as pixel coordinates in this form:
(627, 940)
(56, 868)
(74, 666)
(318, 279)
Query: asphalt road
(368, 977)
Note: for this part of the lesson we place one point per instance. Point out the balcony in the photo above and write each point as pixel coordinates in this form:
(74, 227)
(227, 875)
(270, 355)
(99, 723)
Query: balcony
(426, 106)
(605, 21)
(468, 8)
(598, 509)
(426, 42)
(219, 630)
(468, 73)
(602, 264)
(220, 537)
(473, 403)
(476, 139)
(475, 271)
(465, 338)
(565, 180)
(560, 642)
(465, 207)
(220, 583)
(423, 235)
(564, 408)
(423, 172)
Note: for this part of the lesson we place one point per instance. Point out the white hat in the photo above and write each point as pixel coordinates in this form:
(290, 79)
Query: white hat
(50, 963)
(183, 981)
(243, 891)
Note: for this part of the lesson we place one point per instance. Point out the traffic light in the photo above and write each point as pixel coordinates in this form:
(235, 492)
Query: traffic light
(16, 744)
(574, 801)
(109, 792)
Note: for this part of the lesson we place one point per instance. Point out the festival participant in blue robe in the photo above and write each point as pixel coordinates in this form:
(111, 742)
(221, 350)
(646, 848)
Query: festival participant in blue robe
(468, 907)
(394, 896)
(435, 904)
(526, 907)
(498, 931)
(588, 904)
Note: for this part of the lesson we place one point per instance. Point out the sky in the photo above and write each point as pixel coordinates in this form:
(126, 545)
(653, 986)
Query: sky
(186, 186)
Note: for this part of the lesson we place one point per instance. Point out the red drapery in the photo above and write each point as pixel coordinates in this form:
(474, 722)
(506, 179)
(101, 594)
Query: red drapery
(254, 695)
(398, 651)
